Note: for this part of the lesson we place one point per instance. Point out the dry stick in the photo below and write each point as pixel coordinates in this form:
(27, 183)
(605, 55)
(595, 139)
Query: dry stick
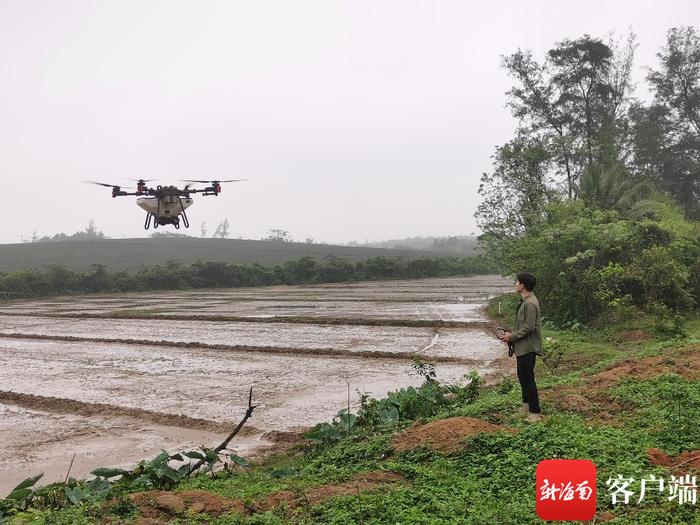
(225, 442)
(686, 461)
(69, 468)
(348, 382)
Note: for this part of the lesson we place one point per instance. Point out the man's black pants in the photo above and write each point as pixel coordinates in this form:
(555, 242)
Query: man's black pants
(526, 376)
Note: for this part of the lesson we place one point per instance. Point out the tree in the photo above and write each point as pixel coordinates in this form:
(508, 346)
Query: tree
(677, 82)
(516, 191)
(667, 134)
(574, 103)
(612, 188)
(222, 230)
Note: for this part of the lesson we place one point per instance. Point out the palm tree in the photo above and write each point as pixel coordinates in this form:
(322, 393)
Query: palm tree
(611, 187)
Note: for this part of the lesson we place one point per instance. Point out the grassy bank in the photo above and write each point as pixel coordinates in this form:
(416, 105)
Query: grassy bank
(624, 397)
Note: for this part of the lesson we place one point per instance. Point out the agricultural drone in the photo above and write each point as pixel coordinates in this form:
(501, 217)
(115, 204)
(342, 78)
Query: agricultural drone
(166, 204)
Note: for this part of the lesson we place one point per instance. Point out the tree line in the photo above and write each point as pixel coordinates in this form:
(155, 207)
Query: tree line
(598, 192)
(60, 280)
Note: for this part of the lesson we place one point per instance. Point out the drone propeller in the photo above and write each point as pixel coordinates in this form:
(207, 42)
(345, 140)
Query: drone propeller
(144, 180)
(102, 184)
(212, 181)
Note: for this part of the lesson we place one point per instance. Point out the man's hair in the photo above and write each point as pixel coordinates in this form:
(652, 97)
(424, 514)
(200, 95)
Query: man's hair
(527, 279)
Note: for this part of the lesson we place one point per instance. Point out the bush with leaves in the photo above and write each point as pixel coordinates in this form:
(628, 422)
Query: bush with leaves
(591, 261)
(398, 407)
(163, 472)
(59, 280)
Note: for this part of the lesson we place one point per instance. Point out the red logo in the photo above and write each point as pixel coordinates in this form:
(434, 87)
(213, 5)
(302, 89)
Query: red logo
(566, 489)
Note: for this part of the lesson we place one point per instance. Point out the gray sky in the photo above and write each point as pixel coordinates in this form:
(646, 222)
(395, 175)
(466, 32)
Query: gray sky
(352, 120)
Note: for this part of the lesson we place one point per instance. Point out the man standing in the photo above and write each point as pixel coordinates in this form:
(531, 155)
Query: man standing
(527, 340)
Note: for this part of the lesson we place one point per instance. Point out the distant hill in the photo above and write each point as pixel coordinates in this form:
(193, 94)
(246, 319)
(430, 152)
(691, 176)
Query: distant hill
(455, 244)
(132, 254)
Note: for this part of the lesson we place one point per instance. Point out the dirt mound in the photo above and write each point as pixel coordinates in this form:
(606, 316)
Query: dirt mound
(59, 405)
(590, 398)
(358, 483)
(443, 435)
(686, 364)
(160, 506)
(284, 319)
(584, 399)
(605, 516)
(690, 459)
(280, 442)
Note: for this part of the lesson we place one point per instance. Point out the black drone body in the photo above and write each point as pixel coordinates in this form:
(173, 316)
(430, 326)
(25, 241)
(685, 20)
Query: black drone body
(166, 204)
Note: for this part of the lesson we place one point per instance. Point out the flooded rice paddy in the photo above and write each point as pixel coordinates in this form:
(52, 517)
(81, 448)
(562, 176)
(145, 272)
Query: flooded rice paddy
(133, 377)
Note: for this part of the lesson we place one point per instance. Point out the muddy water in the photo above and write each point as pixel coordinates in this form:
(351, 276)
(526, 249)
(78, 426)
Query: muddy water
(448, 298)
(349, 339)
(114, 403)
(38, 441)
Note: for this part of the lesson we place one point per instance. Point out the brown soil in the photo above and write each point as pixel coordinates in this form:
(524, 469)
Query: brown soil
(343, 321)
(59, 405)
(160, 506)
(690, 459)
(584, 399)
(686, 364)
(443, 435)
(632, 336)
(359, 483)
(281, 442)
(605, 516)
(590, 398)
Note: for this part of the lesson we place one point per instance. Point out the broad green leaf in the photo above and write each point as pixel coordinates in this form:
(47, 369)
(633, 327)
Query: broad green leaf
(19, 495)
(238, 460)
(75, 495)
(283, 472)
(109, 472)
(212, 456)
(28, 482)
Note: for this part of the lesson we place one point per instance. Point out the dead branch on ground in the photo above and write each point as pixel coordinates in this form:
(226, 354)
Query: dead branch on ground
(225, 442)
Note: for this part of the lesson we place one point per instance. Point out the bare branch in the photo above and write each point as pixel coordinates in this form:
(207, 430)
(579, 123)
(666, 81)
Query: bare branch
(225, 442)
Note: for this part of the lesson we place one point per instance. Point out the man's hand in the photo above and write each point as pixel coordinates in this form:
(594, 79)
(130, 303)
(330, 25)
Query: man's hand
(506, 337)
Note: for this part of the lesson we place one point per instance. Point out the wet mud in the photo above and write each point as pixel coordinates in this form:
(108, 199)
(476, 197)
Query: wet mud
(88, 375)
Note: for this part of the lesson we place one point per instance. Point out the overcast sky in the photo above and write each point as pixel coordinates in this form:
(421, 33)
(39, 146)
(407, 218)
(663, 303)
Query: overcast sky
(351, 120)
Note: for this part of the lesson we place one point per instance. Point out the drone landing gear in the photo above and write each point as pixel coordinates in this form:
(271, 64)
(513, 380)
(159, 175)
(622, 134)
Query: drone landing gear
(147, 224)
(185, 221)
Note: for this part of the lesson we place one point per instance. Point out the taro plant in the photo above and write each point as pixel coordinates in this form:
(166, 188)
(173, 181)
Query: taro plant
(18, 499)
(325, 434)
(164, 471)
(91, 491)
(159, 474)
